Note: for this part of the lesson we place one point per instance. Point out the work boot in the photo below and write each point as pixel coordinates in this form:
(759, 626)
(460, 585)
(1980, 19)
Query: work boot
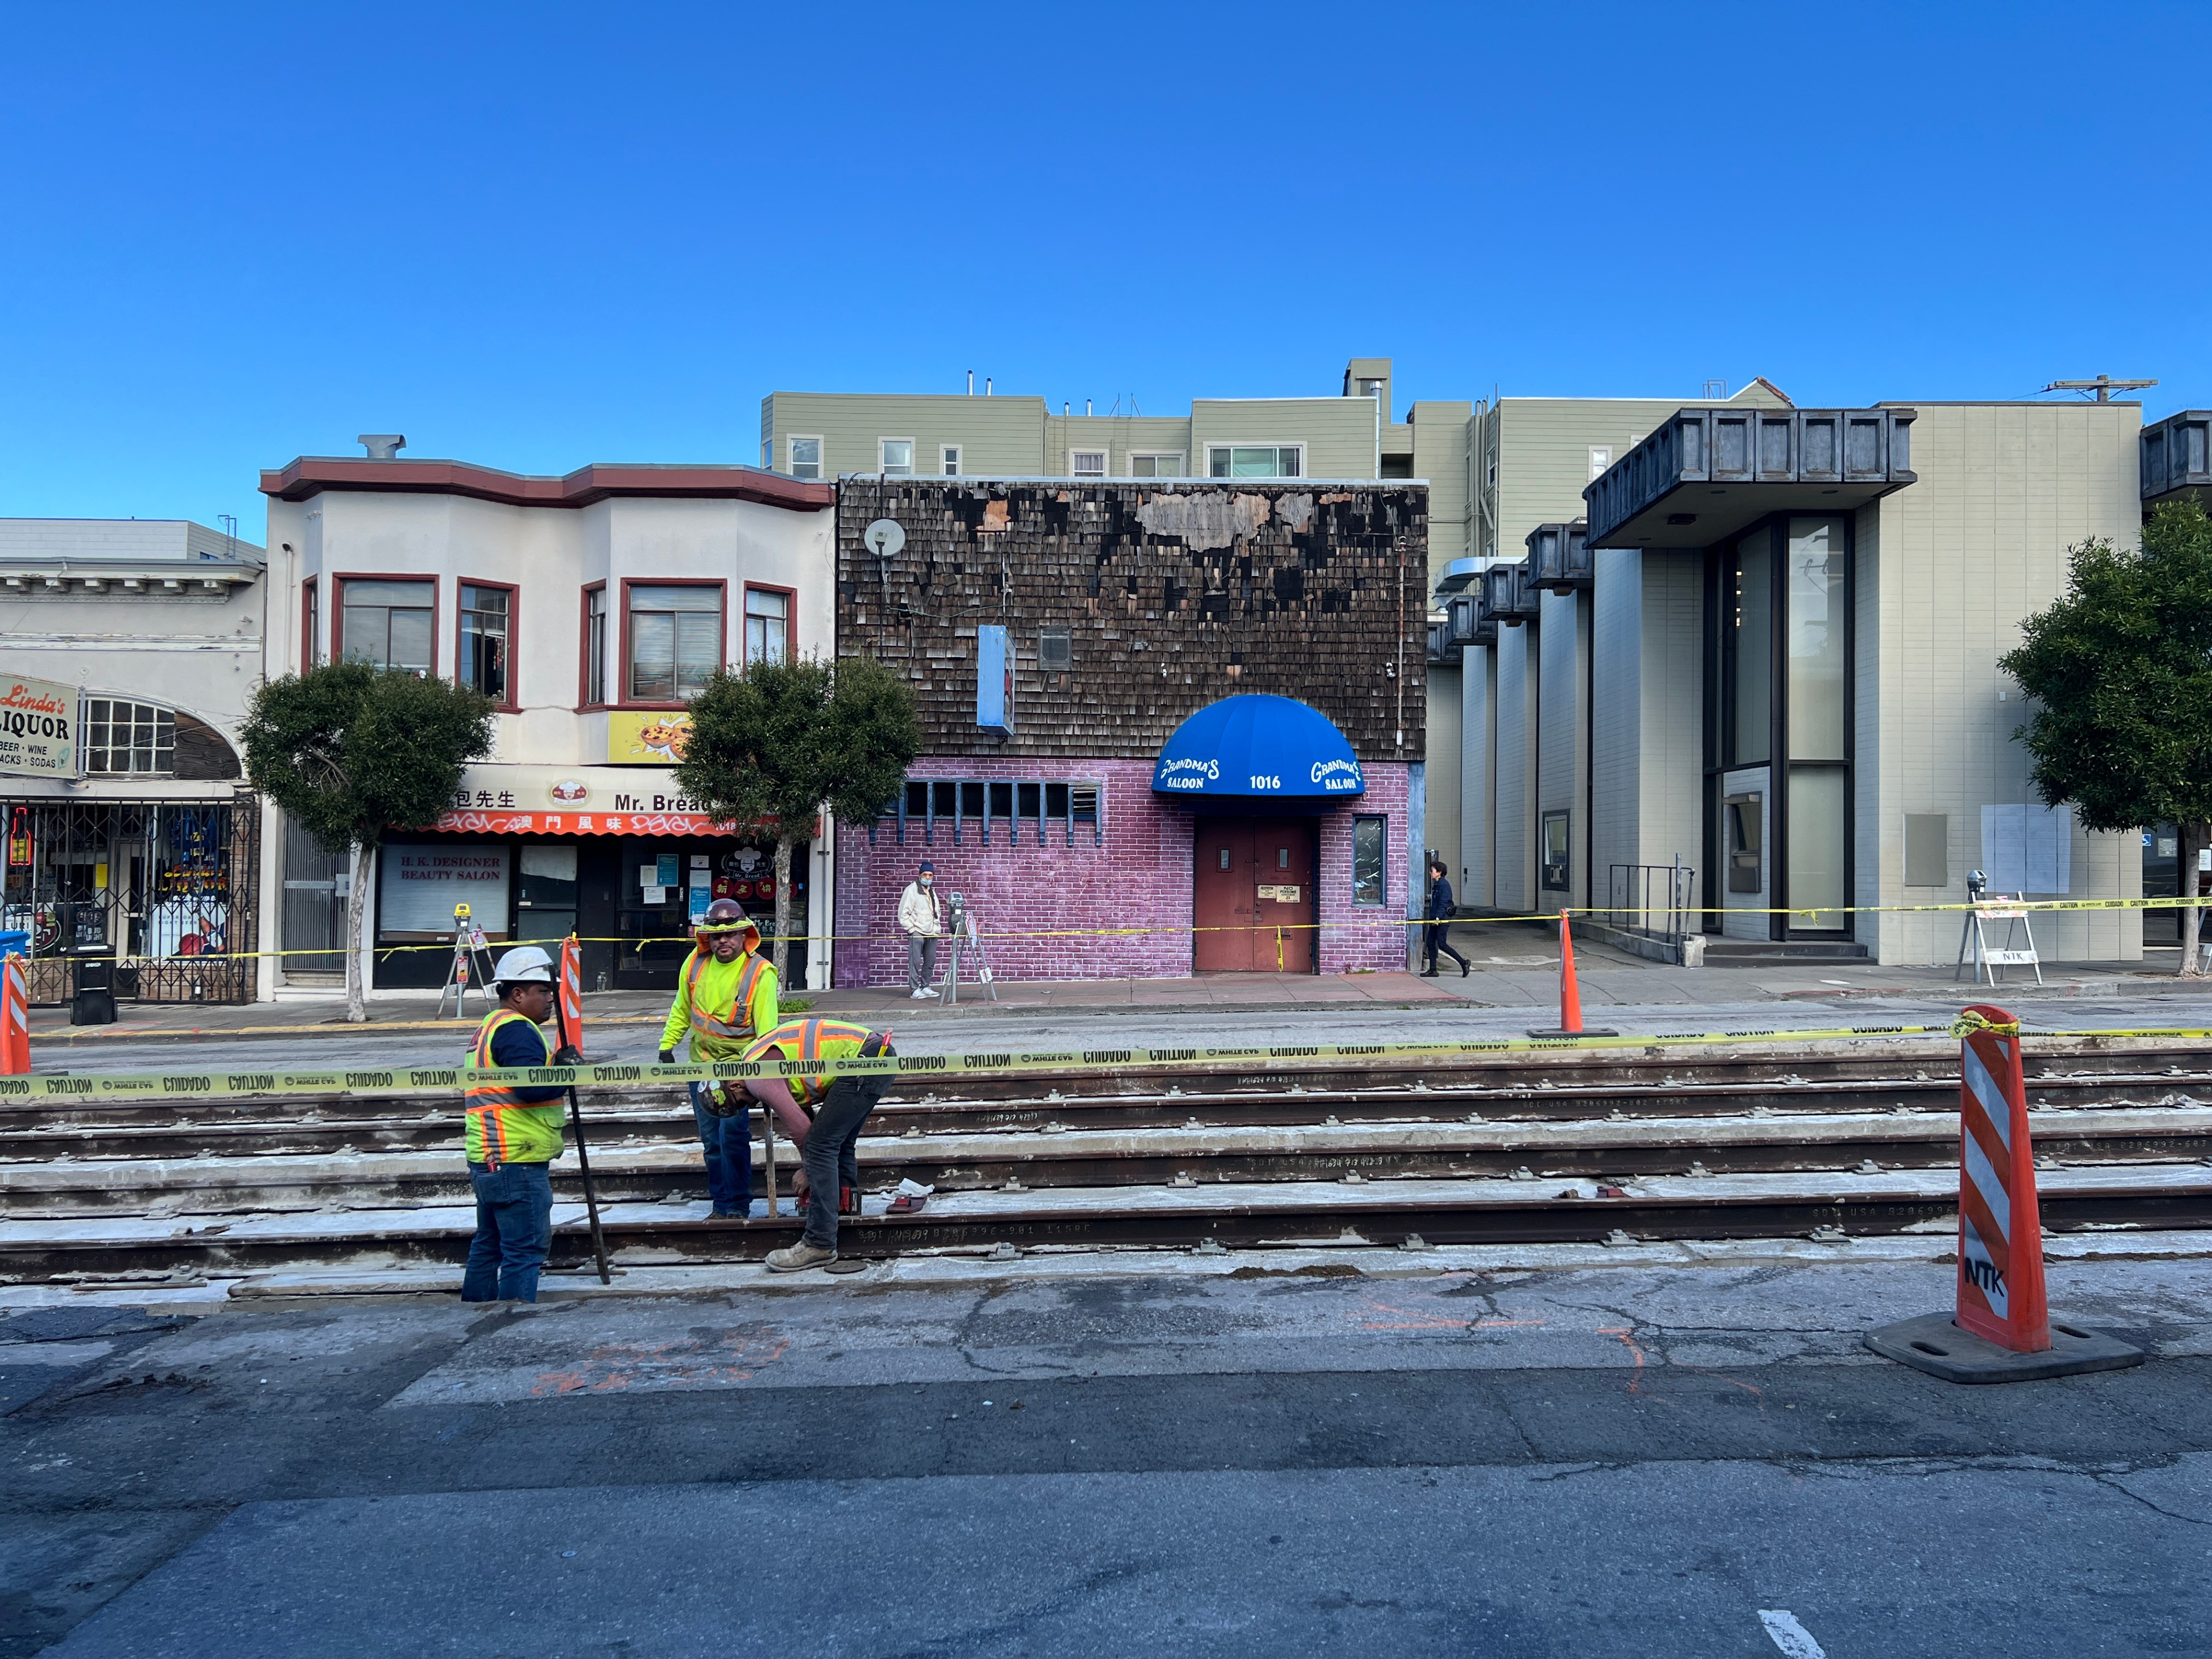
(794, 1258)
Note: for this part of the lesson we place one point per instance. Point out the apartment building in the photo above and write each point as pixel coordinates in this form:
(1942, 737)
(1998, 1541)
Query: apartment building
(1350, 434)
(590, 607)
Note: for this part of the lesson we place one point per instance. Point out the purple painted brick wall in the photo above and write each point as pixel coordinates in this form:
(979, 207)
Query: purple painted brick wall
(1140, 878)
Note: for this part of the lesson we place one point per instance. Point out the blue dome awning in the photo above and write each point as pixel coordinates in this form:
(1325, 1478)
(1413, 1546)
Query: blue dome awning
(1258, 749)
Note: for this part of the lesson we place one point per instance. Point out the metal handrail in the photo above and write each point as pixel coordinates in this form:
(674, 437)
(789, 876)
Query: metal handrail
(1653, 899)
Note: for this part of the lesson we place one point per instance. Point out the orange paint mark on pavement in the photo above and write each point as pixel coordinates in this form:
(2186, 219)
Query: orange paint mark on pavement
(731, 1356)
(1635, 1381)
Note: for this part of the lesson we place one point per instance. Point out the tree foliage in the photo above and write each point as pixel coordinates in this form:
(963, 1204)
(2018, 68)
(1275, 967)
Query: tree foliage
(2121, 670)
(774, 744)
(352, 751)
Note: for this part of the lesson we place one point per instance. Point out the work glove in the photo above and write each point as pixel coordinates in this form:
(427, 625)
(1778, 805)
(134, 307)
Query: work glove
(568, 1054)
(668, 1056)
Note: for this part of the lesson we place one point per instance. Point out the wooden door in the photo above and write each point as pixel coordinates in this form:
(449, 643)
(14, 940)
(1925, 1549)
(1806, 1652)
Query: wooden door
(1253, 876)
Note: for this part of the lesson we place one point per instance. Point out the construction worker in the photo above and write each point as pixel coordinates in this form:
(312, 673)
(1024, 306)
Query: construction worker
(513, 1134)
(822, 1113)
(726, 996)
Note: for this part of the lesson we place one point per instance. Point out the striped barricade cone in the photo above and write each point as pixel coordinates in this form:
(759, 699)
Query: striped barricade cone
(2001, 1330)
(1570, 995)
(570, 990)
(14, 1019)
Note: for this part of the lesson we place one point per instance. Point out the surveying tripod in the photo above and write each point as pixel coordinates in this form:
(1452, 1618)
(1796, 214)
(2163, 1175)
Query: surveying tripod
(963, 936)
(468, 942)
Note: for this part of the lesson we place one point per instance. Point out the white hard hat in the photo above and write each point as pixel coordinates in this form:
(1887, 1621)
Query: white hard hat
(525, 965)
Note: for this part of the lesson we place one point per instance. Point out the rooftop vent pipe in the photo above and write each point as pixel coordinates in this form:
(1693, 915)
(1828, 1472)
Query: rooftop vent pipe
(382, 445)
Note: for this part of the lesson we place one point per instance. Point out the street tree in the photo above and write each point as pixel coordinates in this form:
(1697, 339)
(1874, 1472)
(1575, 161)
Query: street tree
(773, 745)
(2120, 670)
(351, 752)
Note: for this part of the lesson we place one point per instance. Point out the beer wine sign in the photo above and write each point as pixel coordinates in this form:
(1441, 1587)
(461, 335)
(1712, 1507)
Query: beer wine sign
(37, 728)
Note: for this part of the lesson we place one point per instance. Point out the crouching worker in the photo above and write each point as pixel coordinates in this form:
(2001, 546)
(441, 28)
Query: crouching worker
(513, 1134)
(726, 996)
(839, 1105)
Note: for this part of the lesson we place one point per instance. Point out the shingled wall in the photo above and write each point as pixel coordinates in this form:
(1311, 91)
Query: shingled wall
(1173, 595)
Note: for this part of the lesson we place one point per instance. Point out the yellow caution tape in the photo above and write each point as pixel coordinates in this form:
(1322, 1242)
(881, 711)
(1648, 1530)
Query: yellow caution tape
(1972, 1020)
(450, 1079)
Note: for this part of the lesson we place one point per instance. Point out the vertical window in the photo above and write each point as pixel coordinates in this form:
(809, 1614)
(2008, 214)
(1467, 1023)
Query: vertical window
(1369, 881)
(1747, 643)
(895, 457)
(595, 645)
(387, 625)
(768, 625)
(311, 624)
(1819, 722)
(1255, 460)
(1601, 460)
(1087, 463)
(487, 627)
(675, 642)
(804, 456)
(949, 460)
(128, 737)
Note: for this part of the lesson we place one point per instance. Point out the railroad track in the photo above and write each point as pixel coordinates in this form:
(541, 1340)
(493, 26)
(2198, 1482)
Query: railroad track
(1585, 1146)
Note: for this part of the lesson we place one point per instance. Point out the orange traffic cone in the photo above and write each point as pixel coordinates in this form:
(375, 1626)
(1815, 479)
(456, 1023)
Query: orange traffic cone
(1570, 996)
(570, 993)
(2001, 1329)
(14, 1020)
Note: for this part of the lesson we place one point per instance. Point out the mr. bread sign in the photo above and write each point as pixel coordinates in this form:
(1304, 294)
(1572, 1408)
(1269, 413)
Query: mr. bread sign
(37, 728)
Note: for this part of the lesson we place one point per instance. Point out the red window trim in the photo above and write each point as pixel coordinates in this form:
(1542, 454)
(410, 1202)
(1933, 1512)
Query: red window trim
(339, 579)
(584, 703)
(513, 705)
(790, 618)
(624, 665)
(310, 612)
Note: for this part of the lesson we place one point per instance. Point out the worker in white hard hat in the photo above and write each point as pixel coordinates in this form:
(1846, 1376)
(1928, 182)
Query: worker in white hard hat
(513, 1134)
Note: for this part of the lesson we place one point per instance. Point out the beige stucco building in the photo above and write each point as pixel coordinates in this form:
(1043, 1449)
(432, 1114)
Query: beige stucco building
(1751, 674)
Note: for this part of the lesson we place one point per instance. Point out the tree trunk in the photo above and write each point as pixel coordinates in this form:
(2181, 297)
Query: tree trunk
(2193, 835)
(783, 907)
(364, 872)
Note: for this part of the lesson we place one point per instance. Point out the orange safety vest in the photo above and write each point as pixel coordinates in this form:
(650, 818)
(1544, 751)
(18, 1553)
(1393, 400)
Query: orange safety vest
(813, 1038)
(502, 1127)
(704, 1024)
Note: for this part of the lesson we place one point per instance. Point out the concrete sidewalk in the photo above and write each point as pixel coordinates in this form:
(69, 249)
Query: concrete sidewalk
(1514, 966)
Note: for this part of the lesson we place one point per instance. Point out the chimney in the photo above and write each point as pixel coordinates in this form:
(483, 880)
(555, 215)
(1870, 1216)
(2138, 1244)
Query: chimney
(382, 445)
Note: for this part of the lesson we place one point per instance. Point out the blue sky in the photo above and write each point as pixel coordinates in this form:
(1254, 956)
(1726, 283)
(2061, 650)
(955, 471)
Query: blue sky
(537, 236)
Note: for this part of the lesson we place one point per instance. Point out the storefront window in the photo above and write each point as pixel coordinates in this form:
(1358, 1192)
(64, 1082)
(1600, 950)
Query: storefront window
(675, 642)
(1368, 866)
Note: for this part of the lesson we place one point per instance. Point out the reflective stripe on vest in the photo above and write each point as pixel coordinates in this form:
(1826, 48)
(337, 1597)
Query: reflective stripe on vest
(484, 1101)
(808, 1036)
(704, 1024)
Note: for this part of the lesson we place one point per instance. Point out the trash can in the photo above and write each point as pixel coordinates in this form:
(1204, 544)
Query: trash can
(94, 1001)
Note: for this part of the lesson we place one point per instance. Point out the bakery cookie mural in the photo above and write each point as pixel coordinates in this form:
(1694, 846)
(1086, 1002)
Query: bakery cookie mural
(647, 738)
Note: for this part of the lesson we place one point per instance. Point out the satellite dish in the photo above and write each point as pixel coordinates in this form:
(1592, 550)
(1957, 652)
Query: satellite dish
(884, 537)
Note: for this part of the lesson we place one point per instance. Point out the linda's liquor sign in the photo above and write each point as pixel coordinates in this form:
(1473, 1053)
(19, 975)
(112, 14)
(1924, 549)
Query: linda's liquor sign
(37, 728)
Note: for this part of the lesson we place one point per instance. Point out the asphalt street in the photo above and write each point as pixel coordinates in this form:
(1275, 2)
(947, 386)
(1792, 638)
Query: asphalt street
(1637, 1460)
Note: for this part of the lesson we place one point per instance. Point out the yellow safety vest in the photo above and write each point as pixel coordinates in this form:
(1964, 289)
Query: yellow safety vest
(704, 1024)
(502, 1127)
(813, 1038)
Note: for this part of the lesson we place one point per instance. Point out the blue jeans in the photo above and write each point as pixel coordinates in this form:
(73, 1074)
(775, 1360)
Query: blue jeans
(514, 1229)
(729, 1144)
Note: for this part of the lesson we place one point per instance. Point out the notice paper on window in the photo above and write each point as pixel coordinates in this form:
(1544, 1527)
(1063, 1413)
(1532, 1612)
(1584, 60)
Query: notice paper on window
(2028, 849)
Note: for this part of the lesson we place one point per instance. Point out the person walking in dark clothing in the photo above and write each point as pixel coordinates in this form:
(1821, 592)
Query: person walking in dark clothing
(1439, 927)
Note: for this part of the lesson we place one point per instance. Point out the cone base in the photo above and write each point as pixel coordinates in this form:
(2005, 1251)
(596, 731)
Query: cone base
(1932, 1343)
(1587, 1030)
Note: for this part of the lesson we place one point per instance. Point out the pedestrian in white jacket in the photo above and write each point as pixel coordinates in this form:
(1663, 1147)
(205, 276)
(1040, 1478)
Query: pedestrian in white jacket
(922, 920)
